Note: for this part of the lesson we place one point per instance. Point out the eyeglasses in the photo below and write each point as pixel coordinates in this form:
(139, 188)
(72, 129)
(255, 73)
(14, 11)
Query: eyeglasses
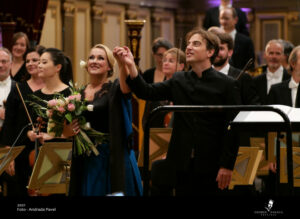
(4, 61)
(160, 55)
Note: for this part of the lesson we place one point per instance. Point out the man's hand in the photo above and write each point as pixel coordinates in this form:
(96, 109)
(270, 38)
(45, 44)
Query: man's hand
(224, 178)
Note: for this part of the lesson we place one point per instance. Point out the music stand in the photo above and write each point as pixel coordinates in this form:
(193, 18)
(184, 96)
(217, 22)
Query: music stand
(296, 166)
(263, 167)
(6, 158)
(51, 170)
(159, 143)
(246, 166)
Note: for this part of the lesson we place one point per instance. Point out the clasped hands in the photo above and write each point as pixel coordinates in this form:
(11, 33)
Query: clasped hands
(123, 56)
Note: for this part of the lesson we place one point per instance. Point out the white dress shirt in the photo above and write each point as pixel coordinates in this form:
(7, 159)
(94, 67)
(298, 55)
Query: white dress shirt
(293, 85)
(5, 87)
(225, 69)
(274, 78)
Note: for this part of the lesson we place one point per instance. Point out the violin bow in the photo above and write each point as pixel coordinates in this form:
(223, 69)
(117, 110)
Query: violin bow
(30, 120)
(25, 107)
(245, 68)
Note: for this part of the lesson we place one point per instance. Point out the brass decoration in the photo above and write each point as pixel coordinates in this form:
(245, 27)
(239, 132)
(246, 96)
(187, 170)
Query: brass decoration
(134, 35)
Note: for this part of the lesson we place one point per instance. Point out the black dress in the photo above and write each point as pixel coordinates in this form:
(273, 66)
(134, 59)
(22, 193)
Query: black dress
(66, 92)
(115, 168)
(21, 75)
(15, 120)
(158, 120)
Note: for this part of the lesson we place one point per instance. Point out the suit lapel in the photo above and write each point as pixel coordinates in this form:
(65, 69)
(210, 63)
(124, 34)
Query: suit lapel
(287, 93)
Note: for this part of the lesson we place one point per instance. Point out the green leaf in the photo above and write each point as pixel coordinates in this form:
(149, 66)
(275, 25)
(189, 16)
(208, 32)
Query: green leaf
(68, 116)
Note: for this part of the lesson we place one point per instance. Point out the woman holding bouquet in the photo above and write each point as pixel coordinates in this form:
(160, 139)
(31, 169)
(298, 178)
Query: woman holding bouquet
(56, 71)
(115, 168)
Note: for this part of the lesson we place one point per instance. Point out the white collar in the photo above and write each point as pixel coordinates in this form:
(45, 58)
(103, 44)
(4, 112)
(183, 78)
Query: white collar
(5, 82)
(225, 69)
(273, 75)
(293, 83)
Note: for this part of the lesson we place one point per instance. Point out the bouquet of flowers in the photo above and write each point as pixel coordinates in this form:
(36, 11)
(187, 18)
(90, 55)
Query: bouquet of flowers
(61, 110)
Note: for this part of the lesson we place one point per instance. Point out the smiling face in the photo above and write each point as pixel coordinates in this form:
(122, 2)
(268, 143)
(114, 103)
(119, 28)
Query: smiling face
(19, 48)
(32, 63)
(47, 69)
(5, 65)
(98, 62)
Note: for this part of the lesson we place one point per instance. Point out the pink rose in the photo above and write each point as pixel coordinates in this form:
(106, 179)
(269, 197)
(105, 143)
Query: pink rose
(71, 107)
(61, 109)
(72, 97)
(52, 103)
(49, 113)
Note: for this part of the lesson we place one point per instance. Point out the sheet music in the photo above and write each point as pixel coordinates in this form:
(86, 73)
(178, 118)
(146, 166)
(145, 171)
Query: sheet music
(269, 116)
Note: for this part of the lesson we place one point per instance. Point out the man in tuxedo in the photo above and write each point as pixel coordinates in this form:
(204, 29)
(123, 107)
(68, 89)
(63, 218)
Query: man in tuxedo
(212, 17)
(6, 84)
(288, 47)
(274, 72)
(221, 64)
(200, 152)
(286, 92)
(5, 80)
(243, 49)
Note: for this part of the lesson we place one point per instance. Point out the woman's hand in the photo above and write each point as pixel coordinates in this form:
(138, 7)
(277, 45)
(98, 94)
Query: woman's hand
(125, 61)
(71, 129)
(33, 136)
(123, 56)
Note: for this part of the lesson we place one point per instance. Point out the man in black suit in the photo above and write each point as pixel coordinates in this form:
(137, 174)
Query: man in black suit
(212, 17)
(200, 151)
(274, 72)
(221, 64)
(286, 92)
(243, 49)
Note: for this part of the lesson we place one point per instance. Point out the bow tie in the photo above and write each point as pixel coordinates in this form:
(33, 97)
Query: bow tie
(272, 75)
(293, 84)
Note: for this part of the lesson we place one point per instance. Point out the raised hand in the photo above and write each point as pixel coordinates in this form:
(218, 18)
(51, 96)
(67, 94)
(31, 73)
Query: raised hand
(123, 56)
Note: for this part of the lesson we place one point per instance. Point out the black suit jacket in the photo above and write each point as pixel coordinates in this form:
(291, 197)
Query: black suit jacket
(212, 19)
(243, 50)
(247, 87)
(204, 132)
(260, 82)
(280, 94)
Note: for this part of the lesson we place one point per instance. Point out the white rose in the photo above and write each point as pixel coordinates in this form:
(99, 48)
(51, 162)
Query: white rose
(82, 64)
(51, 124)
(90, 107)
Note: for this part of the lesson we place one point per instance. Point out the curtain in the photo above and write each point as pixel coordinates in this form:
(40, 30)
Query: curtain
(28, 15)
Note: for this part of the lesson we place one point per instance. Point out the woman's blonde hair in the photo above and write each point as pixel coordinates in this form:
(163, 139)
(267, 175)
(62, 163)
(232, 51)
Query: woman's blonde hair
(178, 54)
(110, 58)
